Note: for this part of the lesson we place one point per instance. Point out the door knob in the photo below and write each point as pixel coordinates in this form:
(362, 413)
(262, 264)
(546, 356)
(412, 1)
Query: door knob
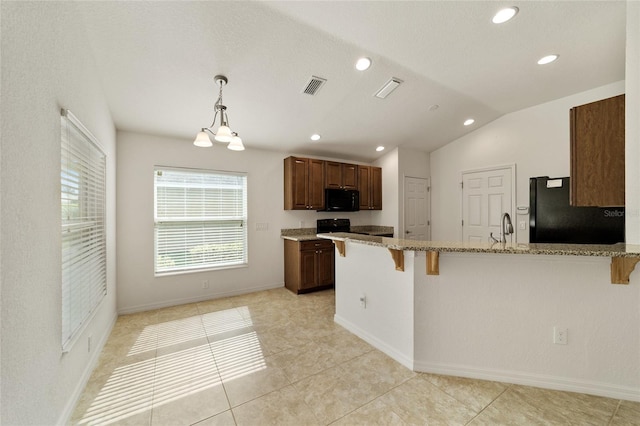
(407, 232)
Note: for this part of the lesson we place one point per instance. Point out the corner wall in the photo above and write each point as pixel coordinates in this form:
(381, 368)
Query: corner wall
(632, 124)
(47, 65)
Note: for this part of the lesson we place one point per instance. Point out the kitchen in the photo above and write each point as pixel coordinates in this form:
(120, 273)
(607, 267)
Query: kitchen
(529, 137)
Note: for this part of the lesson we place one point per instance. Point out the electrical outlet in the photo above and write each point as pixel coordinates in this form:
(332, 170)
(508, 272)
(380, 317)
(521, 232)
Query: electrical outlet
(205, 284)
(363, 301)
(560, 335)
(262, 226)
(522, 224)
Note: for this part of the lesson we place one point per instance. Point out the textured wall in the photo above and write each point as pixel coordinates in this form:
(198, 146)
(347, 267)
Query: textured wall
(491, 316)
(536, 139)
(46, 64)
(632, 124)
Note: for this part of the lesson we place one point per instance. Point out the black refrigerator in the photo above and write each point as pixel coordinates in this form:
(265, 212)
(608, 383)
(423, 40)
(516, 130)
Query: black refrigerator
(553, 220)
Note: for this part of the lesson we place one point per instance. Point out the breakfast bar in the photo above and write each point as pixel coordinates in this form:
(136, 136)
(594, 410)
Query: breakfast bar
(544, 315)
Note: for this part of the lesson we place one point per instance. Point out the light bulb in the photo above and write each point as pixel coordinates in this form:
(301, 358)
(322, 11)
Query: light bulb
(202, 140)
(224, 134)
(236, 144)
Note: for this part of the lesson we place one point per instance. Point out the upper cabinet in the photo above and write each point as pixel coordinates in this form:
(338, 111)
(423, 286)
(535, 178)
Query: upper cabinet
(597, 153)
(370, 187)
(303, 184)
(341, 175)
(305, 180)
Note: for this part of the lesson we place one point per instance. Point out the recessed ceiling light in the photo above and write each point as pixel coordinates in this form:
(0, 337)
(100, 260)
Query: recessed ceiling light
(469, 121)
(434, 107)
(363, 64)
(315, 137)
(548, 59)
(380, 148)
(504, 15)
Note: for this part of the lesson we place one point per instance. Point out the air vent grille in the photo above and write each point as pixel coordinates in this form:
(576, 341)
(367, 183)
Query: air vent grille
(313, 85)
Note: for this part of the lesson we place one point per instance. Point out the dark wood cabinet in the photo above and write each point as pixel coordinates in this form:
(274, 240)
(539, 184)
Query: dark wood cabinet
(341, 175)
(308, 265)
(597, 153)
(370, 187)
(303, 184)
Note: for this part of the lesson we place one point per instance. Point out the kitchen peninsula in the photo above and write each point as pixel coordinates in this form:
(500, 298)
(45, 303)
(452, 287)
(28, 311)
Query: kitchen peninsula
(494, 311)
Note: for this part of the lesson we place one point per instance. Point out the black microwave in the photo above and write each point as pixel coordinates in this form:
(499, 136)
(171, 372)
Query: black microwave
(341, 200)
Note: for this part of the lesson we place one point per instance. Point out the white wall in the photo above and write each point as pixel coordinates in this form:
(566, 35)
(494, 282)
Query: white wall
(411, 163)
(536, 139)
(491, 316)
(632, 124)
(46, 65)
(138, 288)
(390, 213)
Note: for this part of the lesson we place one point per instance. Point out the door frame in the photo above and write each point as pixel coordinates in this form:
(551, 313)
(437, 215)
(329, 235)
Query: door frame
(514, 185)
(404, 207)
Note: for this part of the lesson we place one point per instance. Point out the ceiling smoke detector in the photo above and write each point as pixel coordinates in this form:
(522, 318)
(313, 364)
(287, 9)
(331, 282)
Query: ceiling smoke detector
(313, 85)
(388, 87)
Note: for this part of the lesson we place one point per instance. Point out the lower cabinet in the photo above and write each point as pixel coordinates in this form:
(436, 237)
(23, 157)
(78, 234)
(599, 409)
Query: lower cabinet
(308, 265)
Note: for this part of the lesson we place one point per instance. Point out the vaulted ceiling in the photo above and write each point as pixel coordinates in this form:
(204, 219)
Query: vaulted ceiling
(158, 60)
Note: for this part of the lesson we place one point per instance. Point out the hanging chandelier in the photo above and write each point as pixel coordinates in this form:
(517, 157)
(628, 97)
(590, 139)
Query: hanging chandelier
(224, 133)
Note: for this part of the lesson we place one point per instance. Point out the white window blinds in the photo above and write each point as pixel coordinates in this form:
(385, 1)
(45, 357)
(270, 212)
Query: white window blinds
(84, 271)
(200, 219)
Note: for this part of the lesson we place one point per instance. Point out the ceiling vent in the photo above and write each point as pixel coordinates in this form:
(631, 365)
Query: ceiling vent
(313, 85)
(388, 87)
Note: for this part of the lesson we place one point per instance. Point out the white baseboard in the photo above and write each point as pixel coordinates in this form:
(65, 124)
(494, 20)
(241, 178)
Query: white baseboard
(528, 379)
(65, 417)
(516, 377)
(375, 342)
(176, 302)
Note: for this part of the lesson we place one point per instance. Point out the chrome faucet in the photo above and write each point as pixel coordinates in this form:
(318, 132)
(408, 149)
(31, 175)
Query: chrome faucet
(507, 226)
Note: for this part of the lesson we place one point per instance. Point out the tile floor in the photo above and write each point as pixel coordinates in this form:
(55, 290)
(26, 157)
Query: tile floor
(273, 358)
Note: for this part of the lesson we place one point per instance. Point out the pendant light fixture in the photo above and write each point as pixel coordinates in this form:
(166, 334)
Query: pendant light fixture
(224, 133)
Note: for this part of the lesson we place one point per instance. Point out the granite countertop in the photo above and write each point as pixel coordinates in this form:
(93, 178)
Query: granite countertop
(613, 250)
(309, 234)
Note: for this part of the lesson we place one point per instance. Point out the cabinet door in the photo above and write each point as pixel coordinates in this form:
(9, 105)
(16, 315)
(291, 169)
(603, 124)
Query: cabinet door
(349, 176)
(376, 188)
(296, 179)
(333, 178)
(364, 173)
(307, 269)
(325, 265)
(316, 184)
(597, 153)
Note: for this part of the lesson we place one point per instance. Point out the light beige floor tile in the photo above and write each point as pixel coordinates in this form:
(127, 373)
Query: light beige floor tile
(377, 370)
(282, 407)
(221, 324)
(475, 394)
(417, 401)
(376, 413)
(214, 305)
(222, 419)
(254, 377)
(177, 312)
(345, 345)
(628, 414)
(123, 396)
(279, 339)
(192, 363)
(331, 394)
(189, 403)
(304, 361)
(528, 405)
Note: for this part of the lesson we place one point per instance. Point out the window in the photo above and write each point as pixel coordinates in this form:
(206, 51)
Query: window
(200, 219)
(82, 198)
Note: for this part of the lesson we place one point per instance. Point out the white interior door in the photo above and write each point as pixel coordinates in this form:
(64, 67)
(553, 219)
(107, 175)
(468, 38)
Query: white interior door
(416, 209)
(486, 195)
